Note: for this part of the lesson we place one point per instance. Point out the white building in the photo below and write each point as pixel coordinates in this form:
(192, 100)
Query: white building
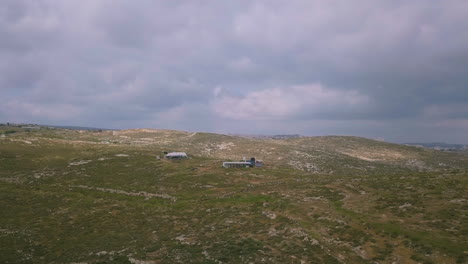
(176, 155)
(237, 164)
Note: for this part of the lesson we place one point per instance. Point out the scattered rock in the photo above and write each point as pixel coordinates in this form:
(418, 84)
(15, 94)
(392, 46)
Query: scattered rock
(405, 205)
(309, 199)
(137, 261)
(81, 162)
(303, 166)
(360, 252)
(207, 256)
(226, 146)
(273, 232)
(269, 214)
(141, 193)
(185, 240)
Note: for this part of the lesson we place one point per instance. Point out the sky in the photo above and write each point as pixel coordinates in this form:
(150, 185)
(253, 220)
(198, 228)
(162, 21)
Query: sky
(393, 70)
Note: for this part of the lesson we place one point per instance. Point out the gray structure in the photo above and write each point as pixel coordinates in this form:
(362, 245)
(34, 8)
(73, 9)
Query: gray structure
(243, 164)
(176, 155)
(237, 164)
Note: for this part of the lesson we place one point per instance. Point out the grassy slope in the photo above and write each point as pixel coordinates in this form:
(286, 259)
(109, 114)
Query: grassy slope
(317, 200)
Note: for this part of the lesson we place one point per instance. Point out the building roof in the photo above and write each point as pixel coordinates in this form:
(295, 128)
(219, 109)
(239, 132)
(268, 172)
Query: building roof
(176, 154)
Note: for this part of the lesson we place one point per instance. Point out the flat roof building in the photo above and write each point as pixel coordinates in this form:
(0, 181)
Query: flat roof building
(176, 155)
(237, 164)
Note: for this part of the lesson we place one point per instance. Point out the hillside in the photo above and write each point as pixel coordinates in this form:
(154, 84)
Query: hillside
(102, 197)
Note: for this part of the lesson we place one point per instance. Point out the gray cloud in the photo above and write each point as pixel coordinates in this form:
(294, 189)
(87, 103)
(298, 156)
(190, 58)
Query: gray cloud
(391, 69)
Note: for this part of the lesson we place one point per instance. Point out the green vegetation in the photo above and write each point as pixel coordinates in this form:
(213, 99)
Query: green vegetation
(102, 197)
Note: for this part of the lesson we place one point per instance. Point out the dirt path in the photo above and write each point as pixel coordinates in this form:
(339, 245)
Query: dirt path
(142, 193)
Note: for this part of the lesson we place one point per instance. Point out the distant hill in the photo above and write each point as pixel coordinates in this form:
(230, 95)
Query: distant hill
(440, 146)
(256, 136)
(37, 126)
(324, 154)
(81, 128)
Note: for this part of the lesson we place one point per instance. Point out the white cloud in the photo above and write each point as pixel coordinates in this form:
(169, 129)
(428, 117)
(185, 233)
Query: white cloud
(287, 102)
(125, 63)
(243, 64)
(461, 124)
(450, 110)
(23, 111)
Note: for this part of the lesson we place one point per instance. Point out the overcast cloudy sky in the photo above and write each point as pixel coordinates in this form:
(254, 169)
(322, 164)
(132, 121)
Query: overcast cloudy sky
(396, 70)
